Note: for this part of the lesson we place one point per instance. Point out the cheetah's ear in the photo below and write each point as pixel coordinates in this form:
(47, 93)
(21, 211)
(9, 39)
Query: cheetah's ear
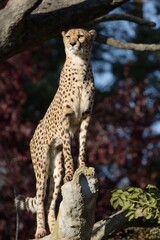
(63, 33)
(93, 34)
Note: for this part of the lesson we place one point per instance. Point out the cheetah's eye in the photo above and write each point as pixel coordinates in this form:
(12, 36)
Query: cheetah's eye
(80, 36)
(67, 36)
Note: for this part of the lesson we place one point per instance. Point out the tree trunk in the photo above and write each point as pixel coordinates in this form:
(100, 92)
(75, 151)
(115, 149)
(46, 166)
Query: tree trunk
(76, 215)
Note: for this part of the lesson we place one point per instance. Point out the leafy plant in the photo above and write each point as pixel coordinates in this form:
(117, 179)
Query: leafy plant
(138, 203)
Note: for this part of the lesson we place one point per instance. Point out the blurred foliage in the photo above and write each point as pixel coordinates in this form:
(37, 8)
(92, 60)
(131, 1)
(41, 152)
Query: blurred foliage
(41, 89)
(121, 143)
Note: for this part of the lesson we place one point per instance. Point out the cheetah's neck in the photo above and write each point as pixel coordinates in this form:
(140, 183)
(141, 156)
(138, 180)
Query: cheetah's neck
(78, 60)
(75, 70)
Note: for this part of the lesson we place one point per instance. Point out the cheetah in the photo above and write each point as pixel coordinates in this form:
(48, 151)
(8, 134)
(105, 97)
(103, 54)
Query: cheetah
(70, 110)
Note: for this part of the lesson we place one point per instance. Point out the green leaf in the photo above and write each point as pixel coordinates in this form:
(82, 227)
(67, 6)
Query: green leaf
(121, 203)
(159, 220)
(126, 205)
(157, 213)
(126, 194)
(134, 195)
(130, 213)
(139, 190)
(135, 189)
(149, 215)
(147, 212)
(123, 197)
(153, 202)
(115, 204)
(131, 217)
(130, 189)
(150, 186)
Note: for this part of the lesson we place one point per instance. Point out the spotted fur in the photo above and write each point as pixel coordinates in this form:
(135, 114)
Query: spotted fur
(70, 109)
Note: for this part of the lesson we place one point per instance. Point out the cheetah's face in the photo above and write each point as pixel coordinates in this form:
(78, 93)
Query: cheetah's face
(78, 41)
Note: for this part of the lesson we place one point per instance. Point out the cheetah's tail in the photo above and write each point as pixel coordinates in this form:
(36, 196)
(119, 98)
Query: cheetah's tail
(26, 203)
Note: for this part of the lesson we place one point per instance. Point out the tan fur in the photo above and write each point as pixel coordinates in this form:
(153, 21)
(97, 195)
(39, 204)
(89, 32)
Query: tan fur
(69, 110)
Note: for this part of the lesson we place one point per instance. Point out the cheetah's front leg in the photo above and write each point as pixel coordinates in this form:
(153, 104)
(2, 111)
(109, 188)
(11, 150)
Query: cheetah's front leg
(68, 160)
(83, 138)
(56, 177)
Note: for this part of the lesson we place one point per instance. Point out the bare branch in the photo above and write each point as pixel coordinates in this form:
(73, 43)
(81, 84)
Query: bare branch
(126, 17)
(124, 45)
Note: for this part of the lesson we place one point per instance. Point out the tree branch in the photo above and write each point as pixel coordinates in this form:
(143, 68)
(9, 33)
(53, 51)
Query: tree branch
(15, 12)
(127, 17)
(46, 22)
(12, 20)
(124, 45)
(107, 228)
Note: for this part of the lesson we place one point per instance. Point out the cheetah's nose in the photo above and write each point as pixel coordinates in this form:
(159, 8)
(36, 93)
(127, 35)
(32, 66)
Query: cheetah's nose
(73, 43)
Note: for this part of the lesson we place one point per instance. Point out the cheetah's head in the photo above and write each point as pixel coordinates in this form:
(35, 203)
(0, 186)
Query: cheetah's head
(78, 41)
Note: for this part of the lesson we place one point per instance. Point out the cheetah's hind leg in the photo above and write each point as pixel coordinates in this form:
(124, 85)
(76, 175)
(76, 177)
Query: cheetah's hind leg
(40, 164)
(55, 179)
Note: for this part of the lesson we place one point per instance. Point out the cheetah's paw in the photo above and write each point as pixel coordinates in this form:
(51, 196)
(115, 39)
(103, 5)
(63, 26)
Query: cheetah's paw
(40, 233)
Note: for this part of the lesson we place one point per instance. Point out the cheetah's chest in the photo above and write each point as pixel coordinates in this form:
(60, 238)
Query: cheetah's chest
(82, 101)
(81, 104)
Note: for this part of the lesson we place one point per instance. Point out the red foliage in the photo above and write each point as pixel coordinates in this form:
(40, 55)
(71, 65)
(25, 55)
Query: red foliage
(16, 132)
